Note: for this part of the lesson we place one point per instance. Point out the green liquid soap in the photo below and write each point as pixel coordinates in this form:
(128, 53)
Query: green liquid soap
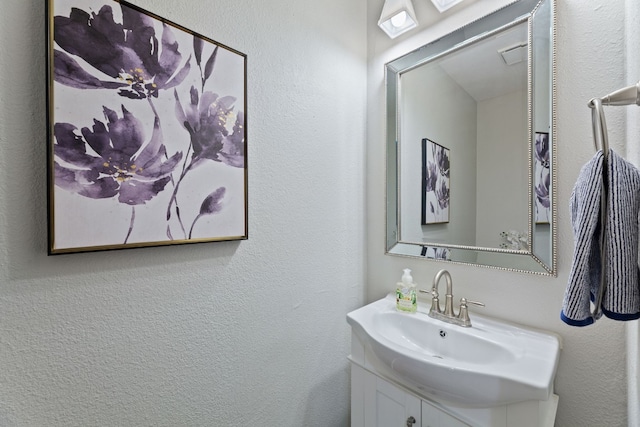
(406, 299)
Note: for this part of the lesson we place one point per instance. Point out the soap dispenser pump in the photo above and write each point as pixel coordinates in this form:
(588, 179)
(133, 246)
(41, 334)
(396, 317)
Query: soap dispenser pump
(406, 293)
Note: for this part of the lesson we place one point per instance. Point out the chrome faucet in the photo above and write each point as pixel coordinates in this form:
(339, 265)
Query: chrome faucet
(448, 315)
(448, 302)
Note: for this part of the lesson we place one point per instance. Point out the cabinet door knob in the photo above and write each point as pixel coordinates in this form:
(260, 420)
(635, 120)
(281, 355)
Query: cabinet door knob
(410, 421)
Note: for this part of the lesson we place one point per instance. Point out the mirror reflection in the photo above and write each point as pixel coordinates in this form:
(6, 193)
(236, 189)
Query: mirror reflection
(472, 106)
(470, 167)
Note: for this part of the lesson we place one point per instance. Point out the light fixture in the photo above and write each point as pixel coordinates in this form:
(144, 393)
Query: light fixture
(443, 5)
(397, 17)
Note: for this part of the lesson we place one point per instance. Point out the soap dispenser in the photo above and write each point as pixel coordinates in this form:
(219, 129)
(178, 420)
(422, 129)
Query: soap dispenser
(406, 293)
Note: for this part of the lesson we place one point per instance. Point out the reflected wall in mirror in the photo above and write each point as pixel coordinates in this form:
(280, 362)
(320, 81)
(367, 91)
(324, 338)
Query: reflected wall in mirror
(484, 95)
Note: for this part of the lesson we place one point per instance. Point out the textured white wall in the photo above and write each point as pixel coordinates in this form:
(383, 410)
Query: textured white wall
(237, 333)
(591, 379)
(502, 174)
(420, 88)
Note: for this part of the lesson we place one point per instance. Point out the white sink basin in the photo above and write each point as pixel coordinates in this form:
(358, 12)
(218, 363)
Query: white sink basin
(489, 364)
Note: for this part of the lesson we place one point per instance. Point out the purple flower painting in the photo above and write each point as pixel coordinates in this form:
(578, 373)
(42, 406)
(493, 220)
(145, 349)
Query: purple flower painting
(127, 54)
(435, 183)
(122, 167)
(147, 131)
(542, 178)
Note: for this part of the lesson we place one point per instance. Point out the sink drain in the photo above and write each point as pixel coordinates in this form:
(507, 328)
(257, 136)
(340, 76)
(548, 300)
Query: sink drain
(443, 333)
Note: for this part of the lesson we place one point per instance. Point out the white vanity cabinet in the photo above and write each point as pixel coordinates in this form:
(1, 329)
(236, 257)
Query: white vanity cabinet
(387, 405)
(380, 400)
(379, 403)
(382, 404)
(434, 417)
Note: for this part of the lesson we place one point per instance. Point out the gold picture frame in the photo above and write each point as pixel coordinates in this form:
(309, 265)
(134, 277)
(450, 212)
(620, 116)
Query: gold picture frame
(147, 131)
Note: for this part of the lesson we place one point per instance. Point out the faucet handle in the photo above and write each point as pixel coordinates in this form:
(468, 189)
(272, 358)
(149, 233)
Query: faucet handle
(435, 300)
(463, 315)
(464, 301)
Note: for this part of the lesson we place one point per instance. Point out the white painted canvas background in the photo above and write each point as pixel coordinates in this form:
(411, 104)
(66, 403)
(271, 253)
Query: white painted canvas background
(82, 222)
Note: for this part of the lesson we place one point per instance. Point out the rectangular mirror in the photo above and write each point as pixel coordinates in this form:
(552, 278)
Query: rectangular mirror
(470, 143)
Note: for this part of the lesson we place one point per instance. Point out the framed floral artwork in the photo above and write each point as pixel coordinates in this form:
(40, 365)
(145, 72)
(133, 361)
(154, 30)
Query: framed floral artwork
(147, 133)
(435, 183)
(542, 178)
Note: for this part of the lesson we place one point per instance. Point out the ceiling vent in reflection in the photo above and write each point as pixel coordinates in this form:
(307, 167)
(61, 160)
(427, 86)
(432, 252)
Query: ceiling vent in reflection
(514, 54)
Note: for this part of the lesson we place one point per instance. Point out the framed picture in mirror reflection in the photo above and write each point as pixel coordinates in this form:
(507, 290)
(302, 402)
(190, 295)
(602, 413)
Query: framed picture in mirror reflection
(542, 178)
(436, 183)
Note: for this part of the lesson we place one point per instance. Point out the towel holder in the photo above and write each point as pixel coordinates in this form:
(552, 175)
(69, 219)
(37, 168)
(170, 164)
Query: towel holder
(599, 124)
(626, 96)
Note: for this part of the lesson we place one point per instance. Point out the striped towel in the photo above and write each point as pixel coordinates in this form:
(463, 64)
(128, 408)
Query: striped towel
(621, 299)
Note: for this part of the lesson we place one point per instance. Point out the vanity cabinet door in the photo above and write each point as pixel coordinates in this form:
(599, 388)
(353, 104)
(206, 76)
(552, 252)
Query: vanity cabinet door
(434, 417)
(388, 406)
